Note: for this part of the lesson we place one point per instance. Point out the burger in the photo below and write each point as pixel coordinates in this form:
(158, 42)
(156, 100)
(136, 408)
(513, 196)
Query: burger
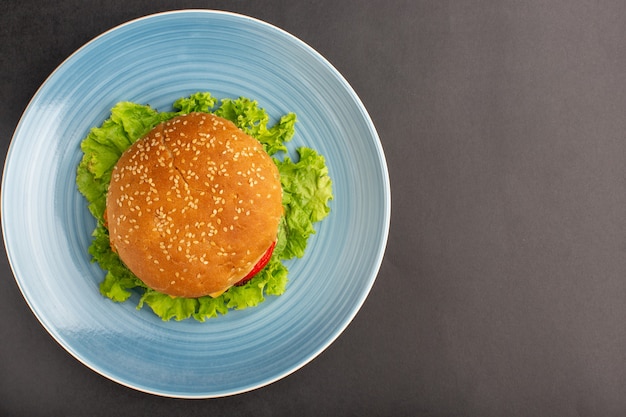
(193, 207)
(198, 209)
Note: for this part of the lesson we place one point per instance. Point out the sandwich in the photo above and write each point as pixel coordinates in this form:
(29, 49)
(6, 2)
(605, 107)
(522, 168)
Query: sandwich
(197, 209)
(194, 206)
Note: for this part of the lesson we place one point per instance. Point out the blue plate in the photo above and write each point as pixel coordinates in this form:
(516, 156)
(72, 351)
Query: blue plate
(155, 60)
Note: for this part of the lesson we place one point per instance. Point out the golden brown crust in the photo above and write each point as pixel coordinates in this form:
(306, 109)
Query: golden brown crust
(193, 205)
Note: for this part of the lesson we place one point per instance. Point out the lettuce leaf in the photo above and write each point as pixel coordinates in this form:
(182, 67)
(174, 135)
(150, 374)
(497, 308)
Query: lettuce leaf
(201, 101)
(253, 120)
(307, 190)
(119, 280)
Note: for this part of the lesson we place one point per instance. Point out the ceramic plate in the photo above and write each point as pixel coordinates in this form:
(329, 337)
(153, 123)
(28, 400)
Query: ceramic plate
(155, 60)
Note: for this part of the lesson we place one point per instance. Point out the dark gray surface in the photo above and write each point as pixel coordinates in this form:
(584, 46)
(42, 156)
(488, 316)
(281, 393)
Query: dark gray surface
(503, 289)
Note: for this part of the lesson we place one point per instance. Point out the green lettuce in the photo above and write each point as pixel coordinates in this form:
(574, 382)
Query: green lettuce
(307, 191)
(253, 120)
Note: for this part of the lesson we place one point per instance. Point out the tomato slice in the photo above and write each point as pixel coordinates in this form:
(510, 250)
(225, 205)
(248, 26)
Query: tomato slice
(259, 265)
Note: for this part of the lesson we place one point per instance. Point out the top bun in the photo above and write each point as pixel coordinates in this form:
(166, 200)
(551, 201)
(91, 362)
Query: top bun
(193, 205)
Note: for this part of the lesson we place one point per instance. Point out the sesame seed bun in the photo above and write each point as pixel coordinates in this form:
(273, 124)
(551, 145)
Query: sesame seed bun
(193, 206)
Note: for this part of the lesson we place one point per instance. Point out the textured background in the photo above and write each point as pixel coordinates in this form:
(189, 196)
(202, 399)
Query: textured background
(503, 288)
